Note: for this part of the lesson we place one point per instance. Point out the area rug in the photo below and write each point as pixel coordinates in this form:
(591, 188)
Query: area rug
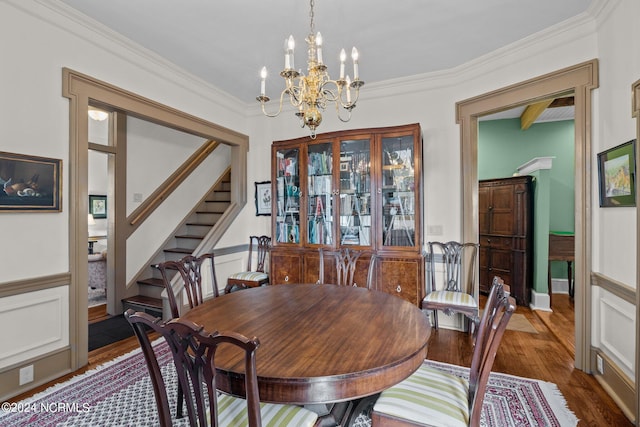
(520, 323)
(119, 393)
(96, 297)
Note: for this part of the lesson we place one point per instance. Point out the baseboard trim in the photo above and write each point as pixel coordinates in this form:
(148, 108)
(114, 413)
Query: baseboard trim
(615, 383)
(45, 369)
(540, 301)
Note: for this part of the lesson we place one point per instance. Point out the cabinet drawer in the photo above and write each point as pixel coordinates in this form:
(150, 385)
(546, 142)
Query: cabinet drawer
(496, 242)
(402, 278)
(285, 268)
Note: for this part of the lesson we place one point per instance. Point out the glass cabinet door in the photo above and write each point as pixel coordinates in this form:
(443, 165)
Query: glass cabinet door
(319, 194)
(355, 192)
(287, 195)
(398, 191)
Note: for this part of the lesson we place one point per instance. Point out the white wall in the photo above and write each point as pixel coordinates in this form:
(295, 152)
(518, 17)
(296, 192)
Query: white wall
(37, 43)
(615, 232)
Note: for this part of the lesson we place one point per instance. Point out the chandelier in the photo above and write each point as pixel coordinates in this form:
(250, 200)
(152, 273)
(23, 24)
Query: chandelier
(312, 93)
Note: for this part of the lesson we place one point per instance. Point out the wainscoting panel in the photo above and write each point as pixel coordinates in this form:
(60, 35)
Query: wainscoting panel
(617, 320)
(226, 265)
(42, 317)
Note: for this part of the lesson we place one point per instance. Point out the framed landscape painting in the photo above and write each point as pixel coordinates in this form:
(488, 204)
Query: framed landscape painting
(616, 175)
(30, 183)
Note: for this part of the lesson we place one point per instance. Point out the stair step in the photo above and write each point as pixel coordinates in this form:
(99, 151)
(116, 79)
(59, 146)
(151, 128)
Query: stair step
(202, 224)
(212, 212)
(189, 236)
(152, 281)
(179, 250)
(143, 303)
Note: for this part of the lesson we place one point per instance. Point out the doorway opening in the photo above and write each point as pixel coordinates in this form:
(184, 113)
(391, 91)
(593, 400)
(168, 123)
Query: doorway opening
(526, 162)
(581, 80)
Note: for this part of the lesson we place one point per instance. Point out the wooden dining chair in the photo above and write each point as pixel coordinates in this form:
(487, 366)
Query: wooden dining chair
(190, 270)
(458, 293)
(345, 262)
(439, 398)
(194, 352)
(252, 278)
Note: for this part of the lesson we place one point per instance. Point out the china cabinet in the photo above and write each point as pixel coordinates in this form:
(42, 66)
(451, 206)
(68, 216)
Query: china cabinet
(360, 189)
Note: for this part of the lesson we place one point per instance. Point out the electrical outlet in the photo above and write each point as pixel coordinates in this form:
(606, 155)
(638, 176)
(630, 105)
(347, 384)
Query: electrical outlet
(600, 364)
(26, 374)
(137, 197)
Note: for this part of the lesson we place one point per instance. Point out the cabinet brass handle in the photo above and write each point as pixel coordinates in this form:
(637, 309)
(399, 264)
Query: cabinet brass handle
(398, 289)
(286, 278)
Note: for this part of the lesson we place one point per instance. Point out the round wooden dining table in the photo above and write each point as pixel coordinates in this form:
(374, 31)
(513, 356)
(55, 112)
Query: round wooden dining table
(318, 343)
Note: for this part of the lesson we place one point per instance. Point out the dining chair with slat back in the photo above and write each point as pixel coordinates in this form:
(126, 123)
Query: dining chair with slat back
(458, 293)
(194, 352)
(346, 262)
(190, 270)
(440, 398)
(252, 278)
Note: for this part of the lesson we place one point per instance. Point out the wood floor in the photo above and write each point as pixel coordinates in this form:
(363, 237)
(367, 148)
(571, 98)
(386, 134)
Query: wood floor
(547, 355)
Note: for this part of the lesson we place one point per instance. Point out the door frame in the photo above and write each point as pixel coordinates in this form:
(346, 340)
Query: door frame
(635, 112)
(579, 80)
(82, 91)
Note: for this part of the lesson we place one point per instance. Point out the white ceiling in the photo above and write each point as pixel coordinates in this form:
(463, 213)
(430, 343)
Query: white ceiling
(548, 115)
(226, 42)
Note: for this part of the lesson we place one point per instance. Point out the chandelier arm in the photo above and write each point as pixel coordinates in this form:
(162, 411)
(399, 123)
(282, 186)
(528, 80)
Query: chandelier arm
(264, 111)
(348, 117)
(295, 93)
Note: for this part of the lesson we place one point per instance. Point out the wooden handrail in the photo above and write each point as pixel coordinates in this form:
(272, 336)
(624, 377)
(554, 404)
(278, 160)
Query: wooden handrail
(163, 191)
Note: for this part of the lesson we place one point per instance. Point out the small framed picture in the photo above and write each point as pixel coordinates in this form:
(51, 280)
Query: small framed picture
(617, 175)
(30, 183)
(344, 166)
(98, 206)
(263, 198)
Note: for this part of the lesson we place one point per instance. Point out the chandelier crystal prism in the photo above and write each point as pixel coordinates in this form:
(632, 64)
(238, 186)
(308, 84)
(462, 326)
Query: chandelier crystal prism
(312, 93)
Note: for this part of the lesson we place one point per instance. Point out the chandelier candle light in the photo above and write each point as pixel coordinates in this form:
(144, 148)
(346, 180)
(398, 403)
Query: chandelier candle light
(311, 93)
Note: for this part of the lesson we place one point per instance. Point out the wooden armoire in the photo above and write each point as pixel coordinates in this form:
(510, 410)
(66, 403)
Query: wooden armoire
(505, 208)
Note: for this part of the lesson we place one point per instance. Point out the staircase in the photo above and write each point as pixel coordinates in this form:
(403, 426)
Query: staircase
(189, 236)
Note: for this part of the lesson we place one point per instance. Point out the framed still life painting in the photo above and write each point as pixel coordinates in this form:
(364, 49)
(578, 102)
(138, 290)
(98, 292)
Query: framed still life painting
(617, 175)
(30, 183)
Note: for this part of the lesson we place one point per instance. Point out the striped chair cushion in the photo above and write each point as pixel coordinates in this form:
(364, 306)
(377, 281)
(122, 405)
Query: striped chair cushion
(450, 297)
(251, 276)
(232, 411)
(430, 397)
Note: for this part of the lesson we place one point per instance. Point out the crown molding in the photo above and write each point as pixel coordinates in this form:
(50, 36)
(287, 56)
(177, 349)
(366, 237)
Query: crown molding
(572, 29)
(74, 22)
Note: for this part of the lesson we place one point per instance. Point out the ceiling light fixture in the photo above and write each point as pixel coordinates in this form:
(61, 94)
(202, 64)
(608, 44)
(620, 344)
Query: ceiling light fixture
(312, 93)
(98, 115)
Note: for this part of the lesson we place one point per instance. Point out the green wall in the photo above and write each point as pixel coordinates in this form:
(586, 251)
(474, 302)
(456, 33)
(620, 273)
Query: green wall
(503, 147)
